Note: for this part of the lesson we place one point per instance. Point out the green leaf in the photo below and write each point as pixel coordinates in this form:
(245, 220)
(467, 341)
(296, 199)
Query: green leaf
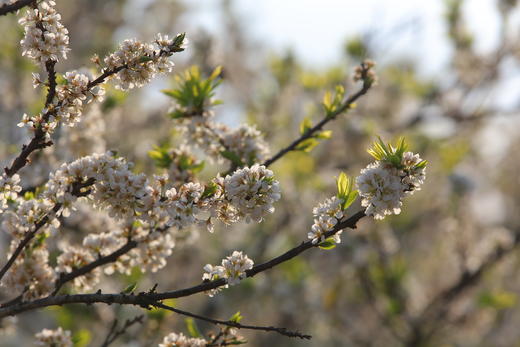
(307, 145)
(145, 59)
(161, 156)
(233, 157)
(498, 299)
(40, 239)
(345, 192)
(81, 338)
(209, 190)
(305, 125)
(324, 135)
(192, 328)
(236, 318)
(327, 244)
(130, 288)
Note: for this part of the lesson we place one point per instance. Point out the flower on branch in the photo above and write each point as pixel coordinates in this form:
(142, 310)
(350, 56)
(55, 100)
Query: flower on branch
(53, 338)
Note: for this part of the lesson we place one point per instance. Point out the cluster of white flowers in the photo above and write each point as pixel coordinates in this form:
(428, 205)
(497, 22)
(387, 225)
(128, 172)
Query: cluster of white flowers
(149, 209)
(45, 39)
(179, 340)
(73, 258)
(9, 189)
(326, 216)
(233, 270)
(247, 142)
(382, 185)
(141, 61)
(252, 191)
(31, 274)
(54, 338)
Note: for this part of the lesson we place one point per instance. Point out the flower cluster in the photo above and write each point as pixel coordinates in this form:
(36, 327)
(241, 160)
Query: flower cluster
(326, 216)
(247, 142)
(233, 270)
(179, 340)
(139, 62)
(53, 338)
(252, 191)
(73, 258)
(31, 274)
(9, 189)
(45, 39)
(383, 184)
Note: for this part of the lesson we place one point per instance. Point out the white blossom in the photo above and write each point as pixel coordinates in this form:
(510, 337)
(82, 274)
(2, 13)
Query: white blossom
(9, 189)
(45, 39)
(30, 274)
(54, 338)
(381, 190)
(252, 191)
(141, 61)
(233, 269)
(326, 215)
(179, 340)
(74, 258)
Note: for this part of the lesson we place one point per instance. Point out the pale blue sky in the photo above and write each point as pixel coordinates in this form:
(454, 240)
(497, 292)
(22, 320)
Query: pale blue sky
(316, 29)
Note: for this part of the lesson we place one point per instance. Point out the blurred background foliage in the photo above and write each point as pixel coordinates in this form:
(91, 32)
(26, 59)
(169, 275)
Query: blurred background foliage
(416, 279)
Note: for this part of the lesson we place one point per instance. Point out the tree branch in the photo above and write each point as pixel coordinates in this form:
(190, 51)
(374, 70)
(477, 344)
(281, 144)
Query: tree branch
(143, 299)
(282, 331)
(75, 190)
(15, 6)
(309, 133)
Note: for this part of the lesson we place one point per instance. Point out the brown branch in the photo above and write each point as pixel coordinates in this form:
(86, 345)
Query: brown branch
(75, 190)
(15, 6)
(112, 257)
(38, 141)
(144, 299)
(282, 331)
(347, 104)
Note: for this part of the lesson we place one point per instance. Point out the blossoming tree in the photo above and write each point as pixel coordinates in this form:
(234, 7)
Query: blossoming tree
(141, 219)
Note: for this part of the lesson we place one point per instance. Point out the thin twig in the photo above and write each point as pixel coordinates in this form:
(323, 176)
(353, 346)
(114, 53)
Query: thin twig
(282, 331)
(15, 6)
(347, 104)
(113, 333)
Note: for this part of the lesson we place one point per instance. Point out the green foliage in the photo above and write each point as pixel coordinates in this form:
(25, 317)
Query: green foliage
(497, 299)
(392, 154)
(188, 163)
(209, 190)
(81, 338)
(194, 94)
(332, 103)
(233, 157)
(130, 288)
(345, 192)
(308, 145)
(327, 244)
(193, 329)
(161, 156)
(236, 318)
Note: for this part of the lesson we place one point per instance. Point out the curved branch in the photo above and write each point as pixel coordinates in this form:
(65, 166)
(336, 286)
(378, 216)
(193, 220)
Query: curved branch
(282, 331)
(75, 190)
(15, 6)
(348, 103)
(143, 299)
